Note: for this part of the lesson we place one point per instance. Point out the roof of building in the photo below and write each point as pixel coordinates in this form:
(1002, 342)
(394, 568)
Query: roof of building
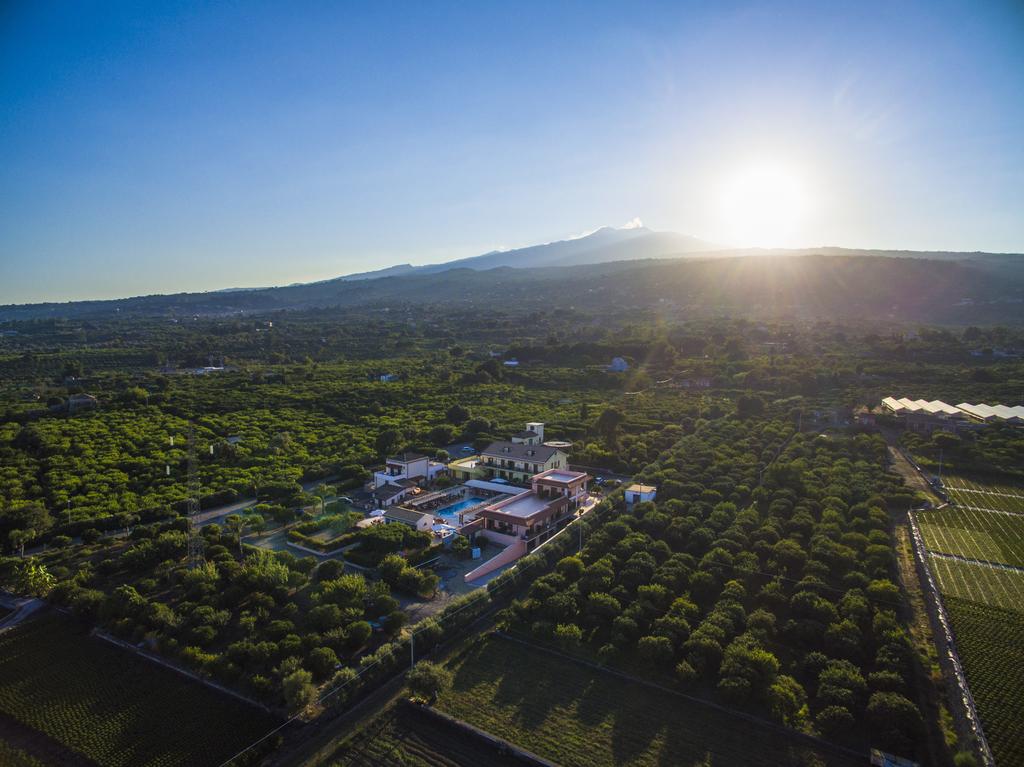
(406, 457)
(638, 488)
(560, 476)
(522, 506)
(406, 482)
(519, 451)
(936, 407)
(405, 515)
(525, 435)
(384, 492)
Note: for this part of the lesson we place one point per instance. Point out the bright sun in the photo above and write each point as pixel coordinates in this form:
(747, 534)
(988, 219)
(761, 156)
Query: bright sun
(761, 205)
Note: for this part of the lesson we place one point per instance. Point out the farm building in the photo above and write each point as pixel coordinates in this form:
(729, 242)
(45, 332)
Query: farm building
(924, 416)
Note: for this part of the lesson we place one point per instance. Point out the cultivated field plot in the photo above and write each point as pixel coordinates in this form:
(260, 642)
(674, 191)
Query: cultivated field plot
(582, 718)
(979, 583)
(11, 756)
(974, 534)
(990, 641)
(114, 708)
(987, 495)
(403, 736)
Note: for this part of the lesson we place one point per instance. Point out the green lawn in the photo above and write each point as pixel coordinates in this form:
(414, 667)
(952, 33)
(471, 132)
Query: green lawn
(583, 718)
(990, 641)
(113, 707)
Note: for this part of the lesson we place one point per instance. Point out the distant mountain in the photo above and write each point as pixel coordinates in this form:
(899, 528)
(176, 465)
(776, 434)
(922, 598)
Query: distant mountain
(644, 266)
(606, 244)
(978, 290)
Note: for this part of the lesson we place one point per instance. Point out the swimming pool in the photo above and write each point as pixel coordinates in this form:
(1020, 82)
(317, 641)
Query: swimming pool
(453, 510)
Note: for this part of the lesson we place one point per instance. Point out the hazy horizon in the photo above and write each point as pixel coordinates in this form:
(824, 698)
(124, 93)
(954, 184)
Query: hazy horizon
(176, 148)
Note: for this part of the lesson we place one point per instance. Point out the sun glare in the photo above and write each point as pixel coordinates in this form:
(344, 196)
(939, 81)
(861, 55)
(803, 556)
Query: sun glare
(761, 205)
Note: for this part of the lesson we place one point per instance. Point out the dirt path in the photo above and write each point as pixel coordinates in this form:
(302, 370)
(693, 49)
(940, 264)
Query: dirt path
(42, 747)
(932, 698)
(911, 476)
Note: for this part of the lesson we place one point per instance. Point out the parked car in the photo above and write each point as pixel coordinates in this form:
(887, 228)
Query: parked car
(466, 448)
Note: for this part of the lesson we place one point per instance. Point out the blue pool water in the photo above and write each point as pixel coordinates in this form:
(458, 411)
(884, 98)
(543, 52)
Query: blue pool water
(453, 510)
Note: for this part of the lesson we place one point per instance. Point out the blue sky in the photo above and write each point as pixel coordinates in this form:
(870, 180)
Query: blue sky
(161, 147)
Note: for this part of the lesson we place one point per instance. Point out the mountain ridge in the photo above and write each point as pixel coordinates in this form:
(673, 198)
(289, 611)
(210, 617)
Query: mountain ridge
(628, 251)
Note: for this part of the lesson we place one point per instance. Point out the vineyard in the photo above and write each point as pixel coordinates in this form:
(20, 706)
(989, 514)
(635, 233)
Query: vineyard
(978, 583)
(991, 645)
(16, 757)
(562, 712)
(989, 496)
(975, 534)
(984, 599)
(114, 708)
(405, 736)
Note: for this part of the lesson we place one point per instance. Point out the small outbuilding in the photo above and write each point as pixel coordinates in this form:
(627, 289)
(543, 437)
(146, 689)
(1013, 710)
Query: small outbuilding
(417, 520)
(640, 493)
(619, 365)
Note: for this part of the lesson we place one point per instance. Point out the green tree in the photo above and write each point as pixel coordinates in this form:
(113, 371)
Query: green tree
(568, 635)
(608, 423)
(655, 652)
(428, 680)
(32, 578)
(322, 661)
(457, 415)
(895, 721)
(236, 524)
(386, 442)
(18, 539)
(299, 690)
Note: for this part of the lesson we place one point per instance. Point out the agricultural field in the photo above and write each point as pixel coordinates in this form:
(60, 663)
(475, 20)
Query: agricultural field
(984, 601)
(11, 756)
(994, 496)
(405, 736)
(979, 583)
(113, 708)
(577, 718)
(990, 641)
(974, 534)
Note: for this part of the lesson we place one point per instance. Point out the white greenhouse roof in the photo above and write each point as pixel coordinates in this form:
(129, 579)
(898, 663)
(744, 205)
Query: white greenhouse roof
(980, 412)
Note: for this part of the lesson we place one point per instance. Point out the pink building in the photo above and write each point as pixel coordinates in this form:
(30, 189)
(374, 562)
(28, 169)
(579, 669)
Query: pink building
(533, 516)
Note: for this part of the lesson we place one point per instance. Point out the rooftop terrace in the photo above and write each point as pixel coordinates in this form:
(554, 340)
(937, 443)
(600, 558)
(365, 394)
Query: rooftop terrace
(523, 506)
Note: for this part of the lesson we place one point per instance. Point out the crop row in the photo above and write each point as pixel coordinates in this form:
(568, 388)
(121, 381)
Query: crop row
(993, 496)
(975, 534)
(979, 583)
(990, 641)
(114, 708)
